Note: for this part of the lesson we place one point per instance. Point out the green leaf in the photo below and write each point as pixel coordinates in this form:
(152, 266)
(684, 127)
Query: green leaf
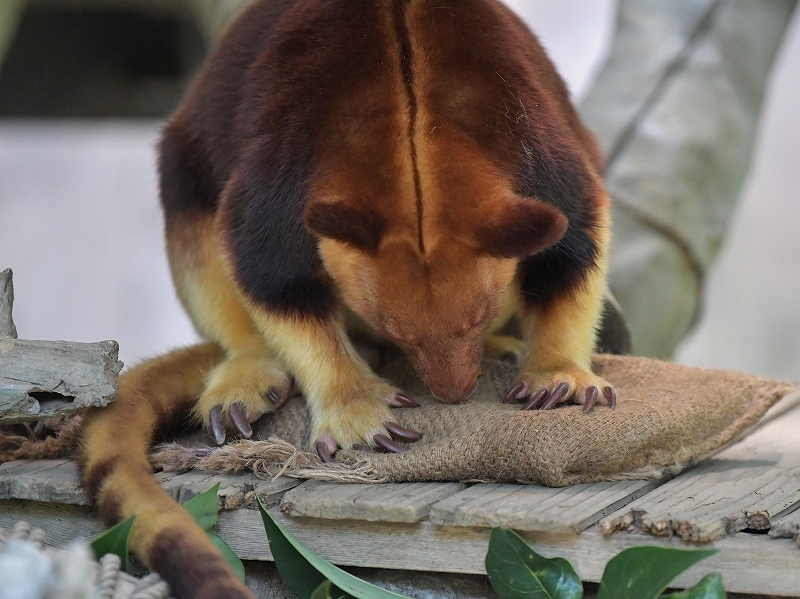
(708, 588)
(328, 591)
(644, 572)
(516, 571)
(115, 540)
(205, 510)
(304, 571)
(227, 553)
(299, 575)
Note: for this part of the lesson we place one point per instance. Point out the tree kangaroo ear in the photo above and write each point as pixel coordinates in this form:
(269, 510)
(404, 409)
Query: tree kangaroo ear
(360, 227)
(520, 227)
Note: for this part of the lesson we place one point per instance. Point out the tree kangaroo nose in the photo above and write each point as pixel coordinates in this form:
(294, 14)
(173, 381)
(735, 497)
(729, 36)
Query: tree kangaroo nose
(456, 391)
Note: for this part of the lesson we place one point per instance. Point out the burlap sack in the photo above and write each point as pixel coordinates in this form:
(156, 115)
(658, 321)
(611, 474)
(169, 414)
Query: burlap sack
(668, 417)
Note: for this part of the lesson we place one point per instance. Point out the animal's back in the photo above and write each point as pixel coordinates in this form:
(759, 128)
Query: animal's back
(357, 82)
(425, 119)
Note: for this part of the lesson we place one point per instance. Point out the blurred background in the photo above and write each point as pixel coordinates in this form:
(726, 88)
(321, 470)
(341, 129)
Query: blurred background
(85, 86)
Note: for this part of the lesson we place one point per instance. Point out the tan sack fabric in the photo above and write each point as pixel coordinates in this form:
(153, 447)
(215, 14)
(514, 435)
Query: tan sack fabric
(668, 417)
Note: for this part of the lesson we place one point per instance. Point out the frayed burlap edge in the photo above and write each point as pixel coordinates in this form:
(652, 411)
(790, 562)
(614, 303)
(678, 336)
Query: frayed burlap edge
(266, 459)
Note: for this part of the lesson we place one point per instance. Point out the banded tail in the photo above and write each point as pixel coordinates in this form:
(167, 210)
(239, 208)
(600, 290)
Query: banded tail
(152, 399)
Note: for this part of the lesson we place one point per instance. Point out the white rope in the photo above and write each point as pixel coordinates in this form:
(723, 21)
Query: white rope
(111, 581)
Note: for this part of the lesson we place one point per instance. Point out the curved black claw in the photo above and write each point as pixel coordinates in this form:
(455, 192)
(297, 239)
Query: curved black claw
(557, 396)
(362, 447)
(272, 395)
(386, 444)
(403, 433)
(216, 425)
(323, 452)
(611, 396)
(518, 391)
(537, 400)
(240, 421)
(589, 398)
(406, 401)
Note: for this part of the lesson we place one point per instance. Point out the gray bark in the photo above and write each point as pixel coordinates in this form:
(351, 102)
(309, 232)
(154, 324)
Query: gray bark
(45, 379)
(676, 109)
(7, 328)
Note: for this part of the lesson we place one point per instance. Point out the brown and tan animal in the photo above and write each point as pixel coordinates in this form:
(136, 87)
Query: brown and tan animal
(414, 166)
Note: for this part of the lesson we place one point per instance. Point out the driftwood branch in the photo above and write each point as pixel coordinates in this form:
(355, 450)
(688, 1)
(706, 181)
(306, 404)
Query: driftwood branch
(7, 328)
(45, 379)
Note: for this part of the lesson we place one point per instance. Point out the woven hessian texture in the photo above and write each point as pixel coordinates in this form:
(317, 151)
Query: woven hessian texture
(668, 417)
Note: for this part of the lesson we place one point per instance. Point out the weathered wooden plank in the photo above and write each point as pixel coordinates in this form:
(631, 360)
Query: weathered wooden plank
(749, 563)
(45, 379)
(57, 484)
(57, 481)
(787, 527)
(5, 475)
(395, 502)
(271, 492)
(33, 479)
(182, 487)
(536, 508)
(235, 490)
(746, 487)
(63, 523)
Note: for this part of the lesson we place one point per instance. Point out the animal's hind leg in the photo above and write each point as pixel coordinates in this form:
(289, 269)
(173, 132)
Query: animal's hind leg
(249, 382)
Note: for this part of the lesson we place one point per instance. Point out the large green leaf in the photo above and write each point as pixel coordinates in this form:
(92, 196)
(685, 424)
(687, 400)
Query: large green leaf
(516, 571)
(644, 572)
(299, 575)
(328, 591)
(304, 571)
(708, 588)
(227, 553)
(205, 510)
(115, 540)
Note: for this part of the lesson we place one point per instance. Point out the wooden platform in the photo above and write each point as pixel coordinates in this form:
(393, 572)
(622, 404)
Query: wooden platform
(743, 502)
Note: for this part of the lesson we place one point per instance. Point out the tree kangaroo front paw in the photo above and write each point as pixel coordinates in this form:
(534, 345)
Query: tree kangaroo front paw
(359, 416)
(546, 390)
(239, 391)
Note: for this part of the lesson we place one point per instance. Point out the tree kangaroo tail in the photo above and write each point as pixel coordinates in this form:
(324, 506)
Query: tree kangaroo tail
(153, 398)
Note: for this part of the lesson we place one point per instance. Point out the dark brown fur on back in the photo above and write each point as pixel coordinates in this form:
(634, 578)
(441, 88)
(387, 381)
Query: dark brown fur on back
(296, 87)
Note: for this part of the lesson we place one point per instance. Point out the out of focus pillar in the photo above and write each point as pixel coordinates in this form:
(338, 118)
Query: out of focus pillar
(676, 108)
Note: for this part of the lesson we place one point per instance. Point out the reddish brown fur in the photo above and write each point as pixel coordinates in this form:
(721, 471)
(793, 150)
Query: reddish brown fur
(414, 162)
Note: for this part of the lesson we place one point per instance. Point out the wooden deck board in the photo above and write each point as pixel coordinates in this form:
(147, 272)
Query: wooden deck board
(746, 487)
(787, 527)
(749, 563)
(43, 480)
(536, 508)
(445, 527)
(396, 502)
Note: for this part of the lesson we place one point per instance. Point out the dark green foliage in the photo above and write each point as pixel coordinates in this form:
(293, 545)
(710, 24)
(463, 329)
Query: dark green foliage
(115, 540)
(708, 588)
(644, 572)
(308, 575)
(205, 510)
(516, 571)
